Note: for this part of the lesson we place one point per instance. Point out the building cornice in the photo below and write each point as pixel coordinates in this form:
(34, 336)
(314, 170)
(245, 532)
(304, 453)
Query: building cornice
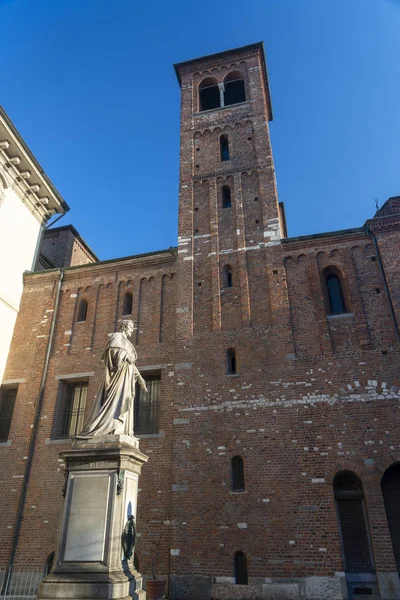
(138, 261)
(25, 176)
(389, 223)
(320, 239)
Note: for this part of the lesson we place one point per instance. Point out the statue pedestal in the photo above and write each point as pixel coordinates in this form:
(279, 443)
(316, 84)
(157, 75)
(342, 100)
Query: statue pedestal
(101, 493)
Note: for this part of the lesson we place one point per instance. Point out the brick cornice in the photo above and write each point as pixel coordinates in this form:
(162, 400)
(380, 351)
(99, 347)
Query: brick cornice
(384, 223)
(324, 239)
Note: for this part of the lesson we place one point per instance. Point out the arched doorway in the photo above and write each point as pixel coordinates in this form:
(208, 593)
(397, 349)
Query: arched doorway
(390, 485)
(358, 560)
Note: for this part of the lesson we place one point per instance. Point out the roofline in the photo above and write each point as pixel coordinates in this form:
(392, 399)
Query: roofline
(171, 250)
(77, 235)
(303, 238)
(217, 55)
(33, 159)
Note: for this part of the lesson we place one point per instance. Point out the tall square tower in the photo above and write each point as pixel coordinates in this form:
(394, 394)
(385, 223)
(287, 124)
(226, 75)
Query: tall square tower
(228, 207)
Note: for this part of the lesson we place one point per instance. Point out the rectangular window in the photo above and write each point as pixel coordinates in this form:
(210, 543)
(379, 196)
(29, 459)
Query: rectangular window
(7, 403)
(147, 407)
(70, 412)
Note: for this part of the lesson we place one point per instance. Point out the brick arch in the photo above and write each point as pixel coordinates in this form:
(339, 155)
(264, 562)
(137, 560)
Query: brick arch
(346, 464)
(249, 173)
(288, 261)
(383, 463)
(387, 388)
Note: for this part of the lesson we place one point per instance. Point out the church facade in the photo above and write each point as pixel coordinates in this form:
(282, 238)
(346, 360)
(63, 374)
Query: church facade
(273, 368)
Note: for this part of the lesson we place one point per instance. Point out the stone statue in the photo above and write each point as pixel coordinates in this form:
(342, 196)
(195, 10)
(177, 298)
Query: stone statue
(113, 409)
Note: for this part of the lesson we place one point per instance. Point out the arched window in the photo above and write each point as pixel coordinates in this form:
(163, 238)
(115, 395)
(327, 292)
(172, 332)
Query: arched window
(228, 279)
(234, 89)
(82, 311)
(237, 469)
(128, 303)
(356, 546)
(335, 294)
(209, 96)
(224, 147)
(241, 577)
(226, 196)
(390, 485)
(231, 361)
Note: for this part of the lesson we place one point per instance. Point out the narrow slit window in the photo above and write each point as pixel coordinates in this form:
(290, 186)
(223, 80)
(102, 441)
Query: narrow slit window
(209, 95)
(335, 294)
(7, 404)
(231, 366)
(241, 577)
(226, 197)
(228, 279)
(237, 468)
(82, 311)
(224, 147)
(128, 303)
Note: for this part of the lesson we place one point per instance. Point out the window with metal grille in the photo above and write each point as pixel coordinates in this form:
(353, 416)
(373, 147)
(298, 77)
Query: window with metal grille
(335, 294)
(128, 303)
(147, 407)
(231, 366)
(226, 196)
(237, 468)
(224, 147)
(241, 577)
(82, 311)
(7, 403)
(73, 409)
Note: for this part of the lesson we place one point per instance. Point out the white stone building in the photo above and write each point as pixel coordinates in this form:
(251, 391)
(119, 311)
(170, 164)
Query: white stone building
(28, 200)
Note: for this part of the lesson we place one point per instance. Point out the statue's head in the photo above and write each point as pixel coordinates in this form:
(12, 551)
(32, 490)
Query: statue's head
(127, 327)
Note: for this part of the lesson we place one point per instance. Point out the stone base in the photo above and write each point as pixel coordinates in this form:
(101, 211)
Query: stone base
(122, 585)
(197, 587)
(102, 442)
(100, 496)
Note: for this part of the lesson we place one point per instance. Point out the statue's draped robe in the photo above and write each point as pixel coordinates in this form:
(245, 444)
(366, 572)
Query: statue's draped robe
(112, 411)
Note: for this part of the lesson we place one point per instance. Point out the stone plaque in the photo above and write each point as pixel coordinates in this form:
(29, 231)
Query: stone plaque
(87, 517)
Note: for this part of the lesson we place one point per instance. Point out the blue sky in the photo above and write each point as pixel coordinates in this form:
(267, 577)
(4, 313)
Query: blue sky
(90, 86)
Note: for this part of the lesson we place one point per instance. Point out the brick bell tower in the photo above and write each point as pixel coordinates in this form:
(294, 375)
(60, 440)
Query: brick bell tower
(228, 209)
